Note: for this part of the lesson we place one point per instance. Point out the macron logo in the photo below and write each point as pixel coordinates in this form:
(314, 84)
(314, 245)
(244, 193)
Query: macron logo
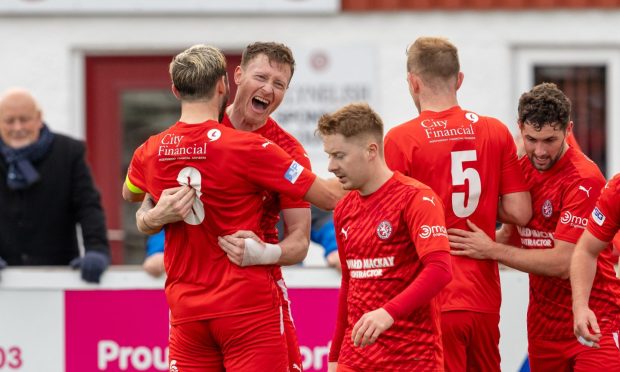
(587, 191)
(430, 200)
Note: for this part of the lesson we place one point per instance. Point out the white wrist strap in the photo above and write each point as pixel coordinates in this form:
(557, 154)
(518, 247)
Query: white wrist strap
(256, 253)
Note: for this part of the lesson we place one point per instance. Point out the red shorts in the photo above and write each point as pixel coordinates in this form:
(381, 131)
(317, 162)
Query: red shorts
(470, 341)
(290, 334)
(570, 355)
(240, 343)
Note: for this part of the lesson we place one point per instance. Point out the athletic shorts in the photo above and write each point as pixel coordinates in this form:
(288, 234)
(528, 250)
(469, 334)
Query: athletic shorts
(290, 334)
(241, 343)
(570, 355)
(470, 341)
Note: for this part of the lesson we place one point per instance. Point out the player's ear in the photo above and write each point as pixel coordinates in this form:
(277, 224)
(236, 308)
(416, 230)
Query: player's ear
(459, 80)
(237, 75)
(569, 128)
(175, 91)
(372, 150)
(414, 82)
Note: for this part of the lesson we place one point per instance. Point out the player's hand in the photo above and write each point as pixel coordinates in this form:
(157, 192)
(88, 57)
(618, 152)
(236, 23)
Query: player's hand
(584, 320)
(332, 366)
(333, 260)
(174, 205)
(475, 243)
(234, 245)
(370, 326)
(154, 264)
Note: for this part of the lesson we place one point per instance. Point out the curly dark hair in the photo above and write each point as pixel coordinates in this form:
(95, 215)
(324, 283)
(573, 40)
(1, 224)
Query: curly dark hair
(544, 105)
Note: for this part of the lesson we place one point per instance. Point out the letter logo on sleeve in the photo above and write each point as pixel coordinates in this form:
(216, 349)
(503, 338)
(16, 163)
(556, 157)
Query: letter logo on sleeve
(293, 172)
(384, 230)
(547, 208)
(430, 200)
(598, 216)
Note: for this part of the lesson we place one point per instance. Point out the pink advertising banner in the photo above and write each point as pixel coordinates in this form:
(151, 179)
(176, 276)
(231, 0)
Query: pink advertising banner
(127, 330)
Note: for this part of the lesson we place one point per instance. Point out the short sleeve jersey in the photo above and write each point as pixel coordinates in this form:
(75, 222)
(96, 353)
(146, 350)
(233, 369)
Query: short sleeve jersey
(604, 222)
(469, 161)
(563, 198)
(229, 170)
(381, 238)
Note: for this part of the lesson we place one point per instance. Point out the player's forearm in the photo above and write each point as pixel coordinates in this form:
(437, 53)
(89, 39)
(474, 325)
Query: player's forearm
(515, 208)
(294, 248)
(547, 262)
(325, 193)
(582, 272)
(145, 222)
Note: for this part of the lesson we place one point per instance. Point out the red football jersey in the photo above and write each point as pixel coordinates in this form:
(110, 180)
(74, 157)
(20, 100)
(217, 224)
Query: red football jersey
(562, 199)
(604, 221)
(229, 170)
(381, 238)
(469, 161)
(274, 202)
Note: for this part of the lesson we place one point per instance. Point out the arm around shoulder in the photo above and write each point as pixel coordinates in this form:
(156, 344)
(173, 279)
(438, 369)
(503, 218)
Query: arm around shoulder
(515, 208)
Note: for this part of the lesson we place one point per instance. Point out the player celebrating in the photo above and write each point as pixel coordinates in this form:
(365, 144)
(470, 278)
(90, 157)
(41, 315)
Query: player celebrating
(470, 161)
(393, 249)
(223, 317)
(565, 185)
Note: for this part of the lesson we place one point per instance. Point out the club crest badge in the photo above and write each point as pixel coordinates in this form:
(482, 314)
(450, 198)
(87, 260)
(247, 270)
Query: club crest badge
(547, 208)
(384, 230)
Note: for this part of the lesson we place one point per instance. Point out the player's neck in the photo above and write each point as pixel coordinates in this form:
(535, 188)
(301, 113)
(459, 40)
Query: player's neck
(437, 102)
(239, 121)
(379, 177)
(197, 112)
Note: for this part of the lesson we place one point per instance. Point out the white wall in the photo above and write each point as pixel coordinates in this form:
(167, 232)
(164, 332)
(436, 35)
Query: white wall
(44, 53)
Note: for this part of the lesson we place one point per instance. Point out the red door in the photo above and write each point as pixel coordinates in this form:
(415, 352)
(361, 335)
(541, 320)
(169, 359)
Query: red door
(127, 99)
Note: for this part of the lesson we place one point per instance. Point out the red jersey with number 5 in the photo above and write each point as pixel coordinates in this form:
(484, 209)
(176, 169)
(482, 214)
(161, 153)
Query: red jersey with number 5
(469, 161)
(229, 170)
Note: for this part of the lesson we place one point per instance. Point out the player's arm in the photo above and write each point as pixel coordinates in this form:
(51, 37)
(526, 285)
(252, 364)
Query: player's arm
(582, 272)
(245, 248)
(477, 244)
(343, 310)
(325, 193)
(515, 208)
(132, 194)
(174, 205)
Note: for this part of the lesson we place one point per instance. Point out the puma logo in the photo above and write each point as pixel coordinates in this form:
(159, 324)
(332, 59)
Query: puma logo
(587, 191)
(345, 233)
(429, 199)
(266, 144)
(295, 366)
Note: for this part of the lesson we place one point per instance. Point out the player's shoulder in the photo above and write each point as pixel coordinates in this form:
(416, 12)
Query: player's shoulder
(403, 129)
(273, 131)
(582, 167)
(613, 185)
(411, 186)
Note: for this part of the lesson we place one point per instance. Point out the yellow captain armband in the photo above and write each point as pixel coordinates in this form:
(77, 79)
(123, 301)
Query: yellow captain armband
(133, 188)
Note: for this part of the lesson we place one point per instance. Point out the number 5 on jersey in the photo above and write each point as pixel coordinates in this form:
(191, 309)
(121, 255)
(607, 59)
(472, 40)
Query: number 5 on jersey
(464, 208)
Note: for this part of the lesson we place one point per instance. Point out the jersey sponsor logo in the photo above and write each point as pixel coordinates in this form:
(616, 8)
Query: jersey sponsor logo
(293, 172)
(547, 208)
(437, 230)
(384, 230)
(439, 133)
(430, 200)
(535, 238)
(598, 216)
(170, 146)
(364, 268)
(587, 191)
(472, 117)
(214, 134)
(573, 221)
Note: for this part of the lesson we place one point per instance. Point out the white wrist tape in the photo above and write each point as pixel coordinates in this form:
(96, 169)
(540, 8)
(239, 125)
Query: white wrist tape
(256, 253)
(585, 342)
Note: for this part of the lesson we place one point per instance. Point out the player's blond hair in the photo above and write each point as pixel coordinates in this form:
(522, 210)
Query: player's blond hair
(352, 120)
(196, 70)
(275, 52)
(433, 58)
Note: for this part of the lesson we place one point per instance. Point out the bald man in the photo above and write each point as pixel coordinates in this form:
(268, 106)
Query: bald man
(45, 190)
